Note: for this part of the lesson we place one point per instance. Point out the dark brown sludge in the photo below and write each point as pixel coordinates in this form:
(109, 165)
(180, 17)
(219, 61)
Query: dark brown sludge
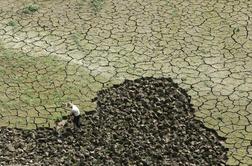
(148, 121)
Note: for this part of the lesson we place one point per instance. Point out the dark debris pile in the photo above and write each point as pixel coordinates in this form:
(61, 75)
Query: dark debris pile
(148, 121)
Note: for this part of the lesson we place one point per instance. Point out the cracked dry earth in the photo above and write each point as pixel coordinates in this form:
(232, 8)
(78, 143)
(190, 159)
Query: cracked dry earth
(71, 49)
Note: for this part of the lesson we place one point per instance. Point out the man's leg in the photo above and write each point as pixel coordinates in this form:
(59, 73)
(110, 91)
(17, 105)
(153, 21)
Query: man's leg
(77, 121)
(73, 120)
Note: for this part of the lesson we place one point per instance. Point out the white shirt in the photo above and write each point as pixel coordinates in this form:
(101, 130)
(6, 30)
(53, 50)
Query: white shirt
(75, 110)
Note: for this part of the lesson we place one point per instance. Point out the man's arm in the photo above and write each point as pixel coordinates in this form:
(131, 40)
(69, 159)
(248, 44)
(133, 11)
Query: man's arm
(72, 112)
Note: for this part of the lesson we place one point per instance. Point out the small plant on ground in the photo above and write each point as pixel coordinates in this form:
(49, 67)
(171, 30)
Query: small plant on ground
(97, 4)
(77, 40)
(31, 8)
(11, 23)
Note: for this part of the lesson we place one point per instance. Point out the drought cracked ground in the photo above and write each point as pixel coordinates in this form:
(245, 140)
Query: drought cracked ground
(58, 50)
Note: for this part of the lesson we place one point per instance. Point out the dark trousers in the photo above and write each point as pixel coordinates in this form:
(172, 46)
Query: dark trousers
(76, 121)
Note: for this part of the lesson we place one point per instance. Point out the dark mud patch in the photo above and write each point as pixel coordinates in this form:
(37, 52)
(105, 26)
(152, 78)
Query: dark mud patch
(148, 121)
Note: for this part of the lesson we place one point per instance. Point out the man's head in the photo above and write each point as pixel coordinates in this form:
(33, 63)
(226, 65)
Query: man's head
(69, 104)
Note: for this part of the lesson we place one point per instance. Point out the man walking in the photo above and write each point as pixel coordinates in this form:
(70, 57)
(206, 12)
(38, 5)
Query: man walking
(76, 113)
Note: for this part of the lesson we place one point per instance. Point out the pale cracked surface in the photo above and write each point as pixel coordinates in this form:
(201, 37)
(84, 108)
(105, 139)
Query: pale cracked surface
(70, 49)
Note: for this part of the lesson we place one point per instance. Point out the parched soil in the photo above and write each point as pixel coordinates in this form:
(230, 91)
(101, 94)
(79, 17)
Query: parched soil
(53, 51)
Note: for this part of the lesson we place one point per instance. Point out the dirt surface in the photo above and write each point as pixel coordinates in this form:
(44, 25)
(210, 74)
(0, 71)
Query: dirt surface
(205, 46)
(147, 121)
